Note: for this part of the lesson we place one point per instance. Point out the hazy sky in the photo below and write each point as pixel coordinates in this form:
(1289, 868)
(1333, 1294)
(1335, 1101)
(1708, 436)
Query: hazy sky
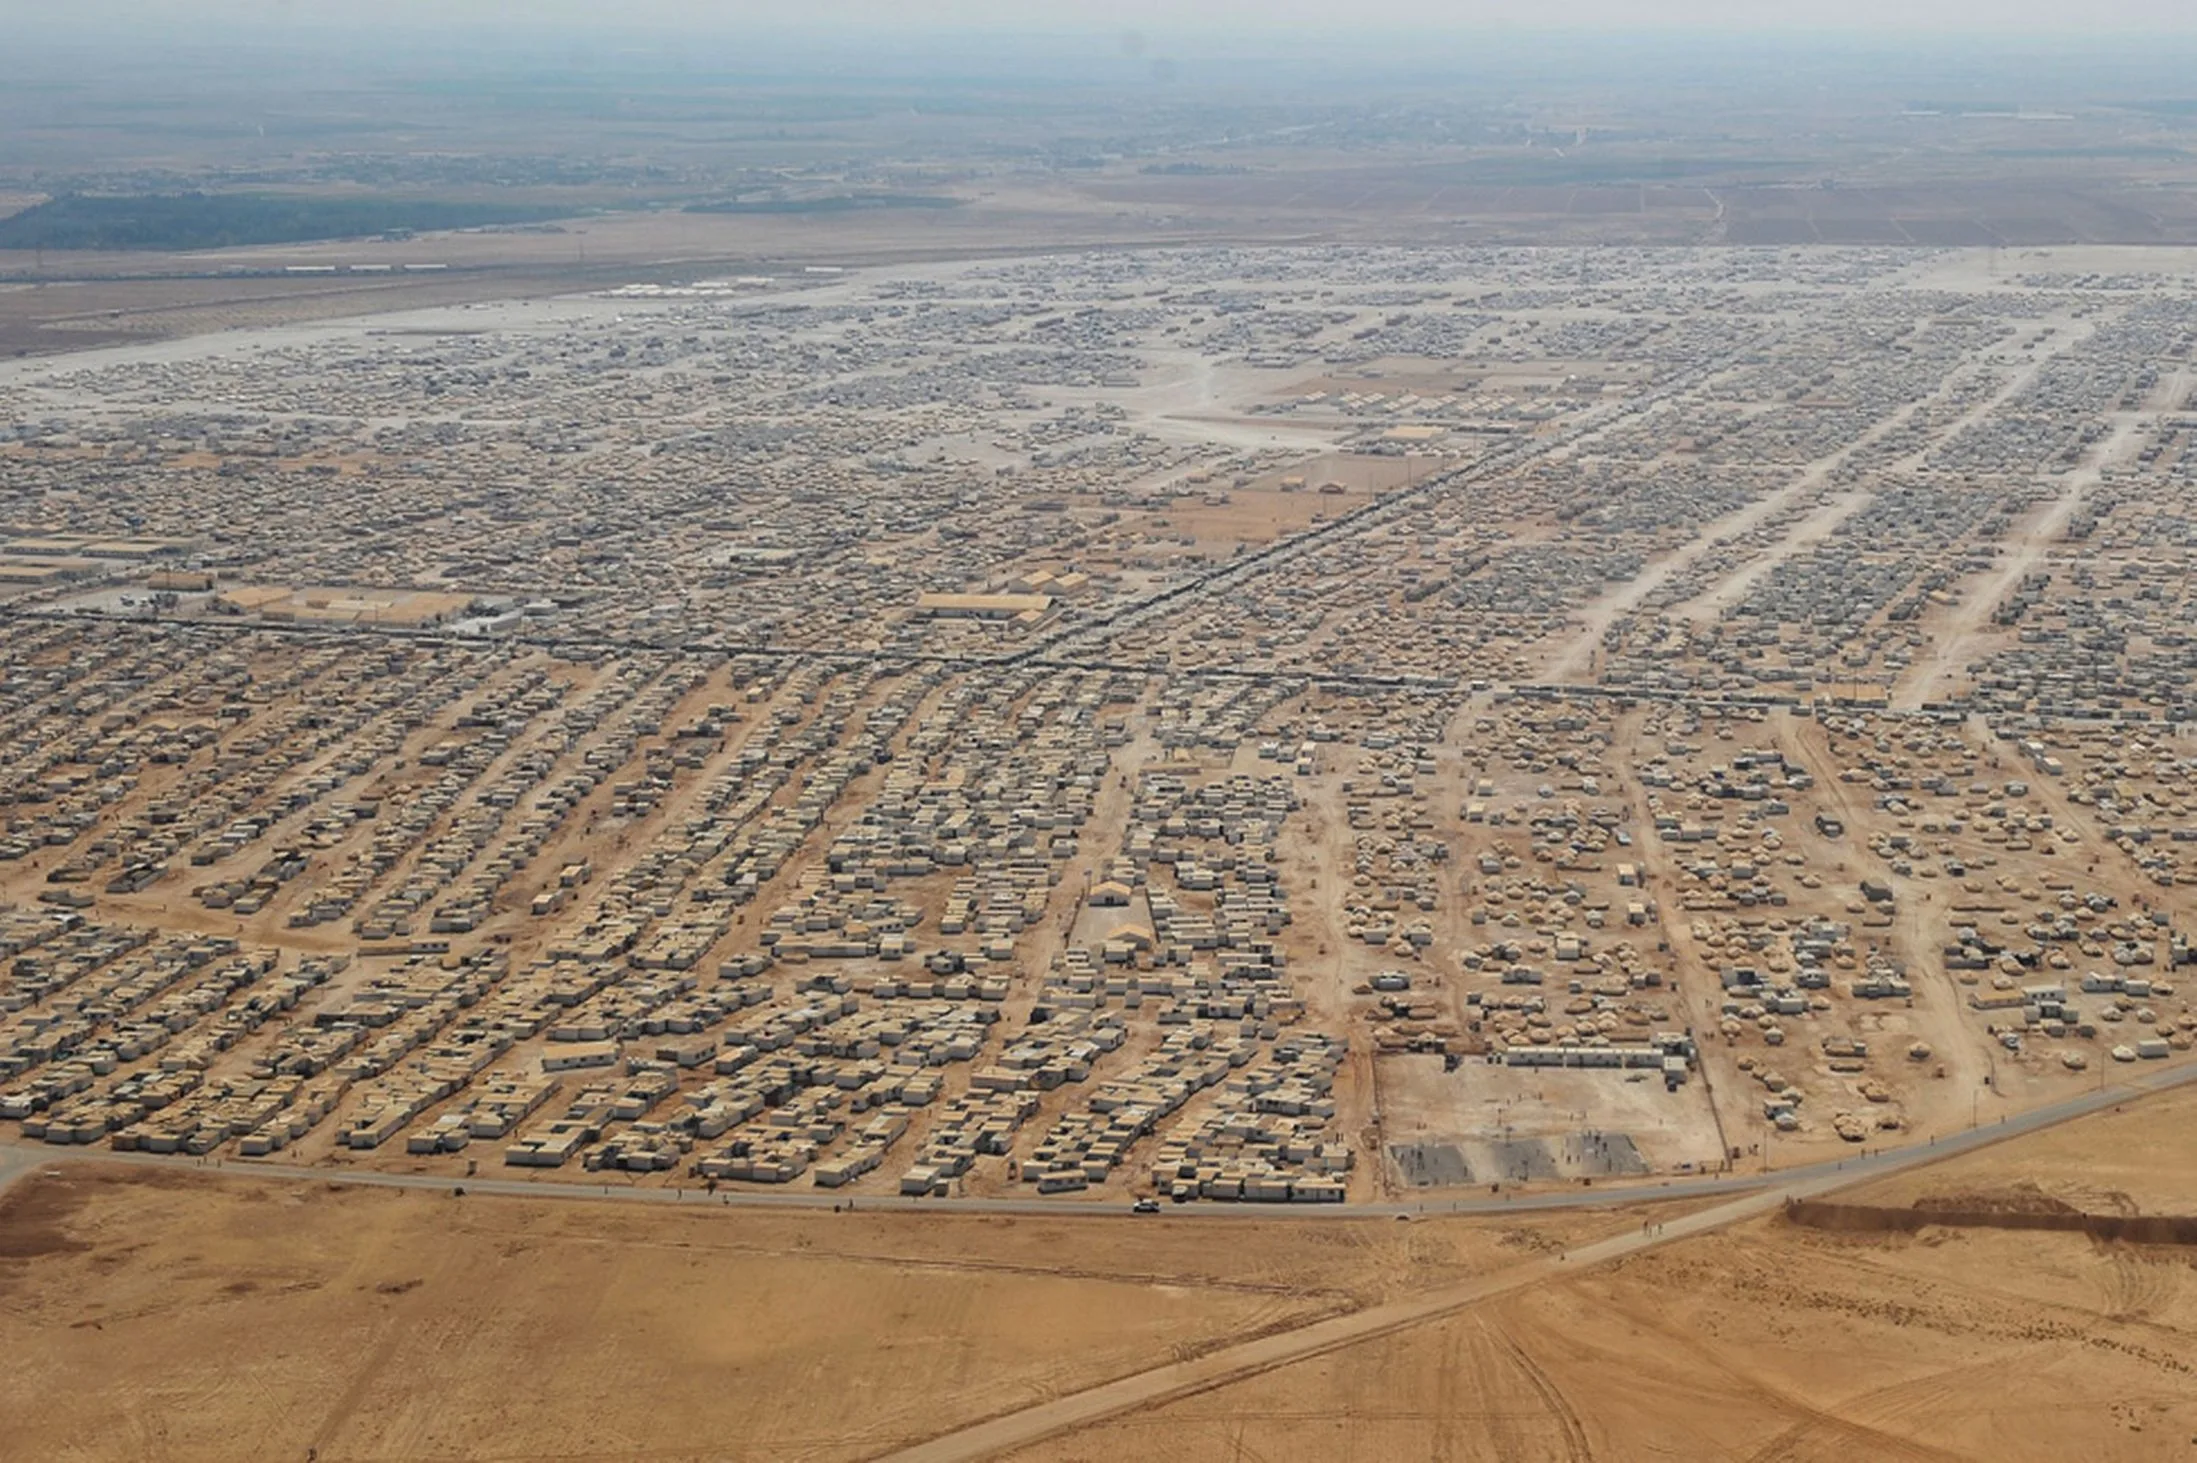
(1163, 19)
(1164, 15)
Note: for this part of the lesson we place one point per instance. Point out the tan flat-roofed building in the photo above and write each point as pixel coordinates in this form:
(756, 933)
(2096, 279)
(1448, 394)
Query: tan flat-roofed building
(46, 571)
(982, 606)
(133, 548)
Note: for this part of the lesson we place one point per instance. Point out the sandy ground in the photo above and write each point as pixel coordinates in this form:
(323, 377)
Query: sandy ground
(226, 1317)
(1768, 1343)
(2136, 1160)
(1774, 1342)
(183, 1316)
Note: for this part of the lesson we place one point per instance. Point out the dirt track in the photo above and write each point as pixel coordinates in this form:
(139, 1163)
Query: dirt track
(1957, 644)
(1251, 1358)
(1165, 1384)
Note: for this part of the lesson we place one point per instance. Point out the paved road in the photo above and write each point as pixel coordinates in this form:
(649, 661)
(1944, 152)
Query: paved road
(18, 1158)
(1232, 1364)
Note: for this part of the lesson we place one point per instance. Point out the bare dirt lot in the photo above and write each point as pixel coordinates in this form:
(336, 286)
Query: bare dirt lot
(208, 1319)
(2139, 1160)
(232, 1317)
(1771, 1341)
(1767, 1342)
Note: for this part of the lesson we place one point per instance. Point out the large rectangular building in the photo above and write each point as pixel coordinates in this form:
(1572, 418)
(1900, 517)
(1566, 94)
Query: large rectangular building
(1025, 607)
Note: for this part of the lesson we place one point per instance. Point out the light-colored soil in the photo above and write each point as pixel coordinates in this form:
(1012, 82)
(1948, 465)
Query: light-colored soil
(1256, 516)
(2134, 1160)
(1481, 1102)
(186, 1316)
(228, 1317)
(1768, 1342)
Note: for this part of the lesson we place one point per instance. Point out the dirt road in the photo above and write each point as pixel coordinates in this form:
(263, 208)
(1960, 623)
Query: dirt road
(1958, 645)
(1262, 1354)
(1577, 654)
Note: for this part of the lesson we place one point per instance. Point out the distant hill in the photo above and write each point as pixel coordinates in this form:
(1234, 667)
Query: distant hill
(223, 220)
(832, 203)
